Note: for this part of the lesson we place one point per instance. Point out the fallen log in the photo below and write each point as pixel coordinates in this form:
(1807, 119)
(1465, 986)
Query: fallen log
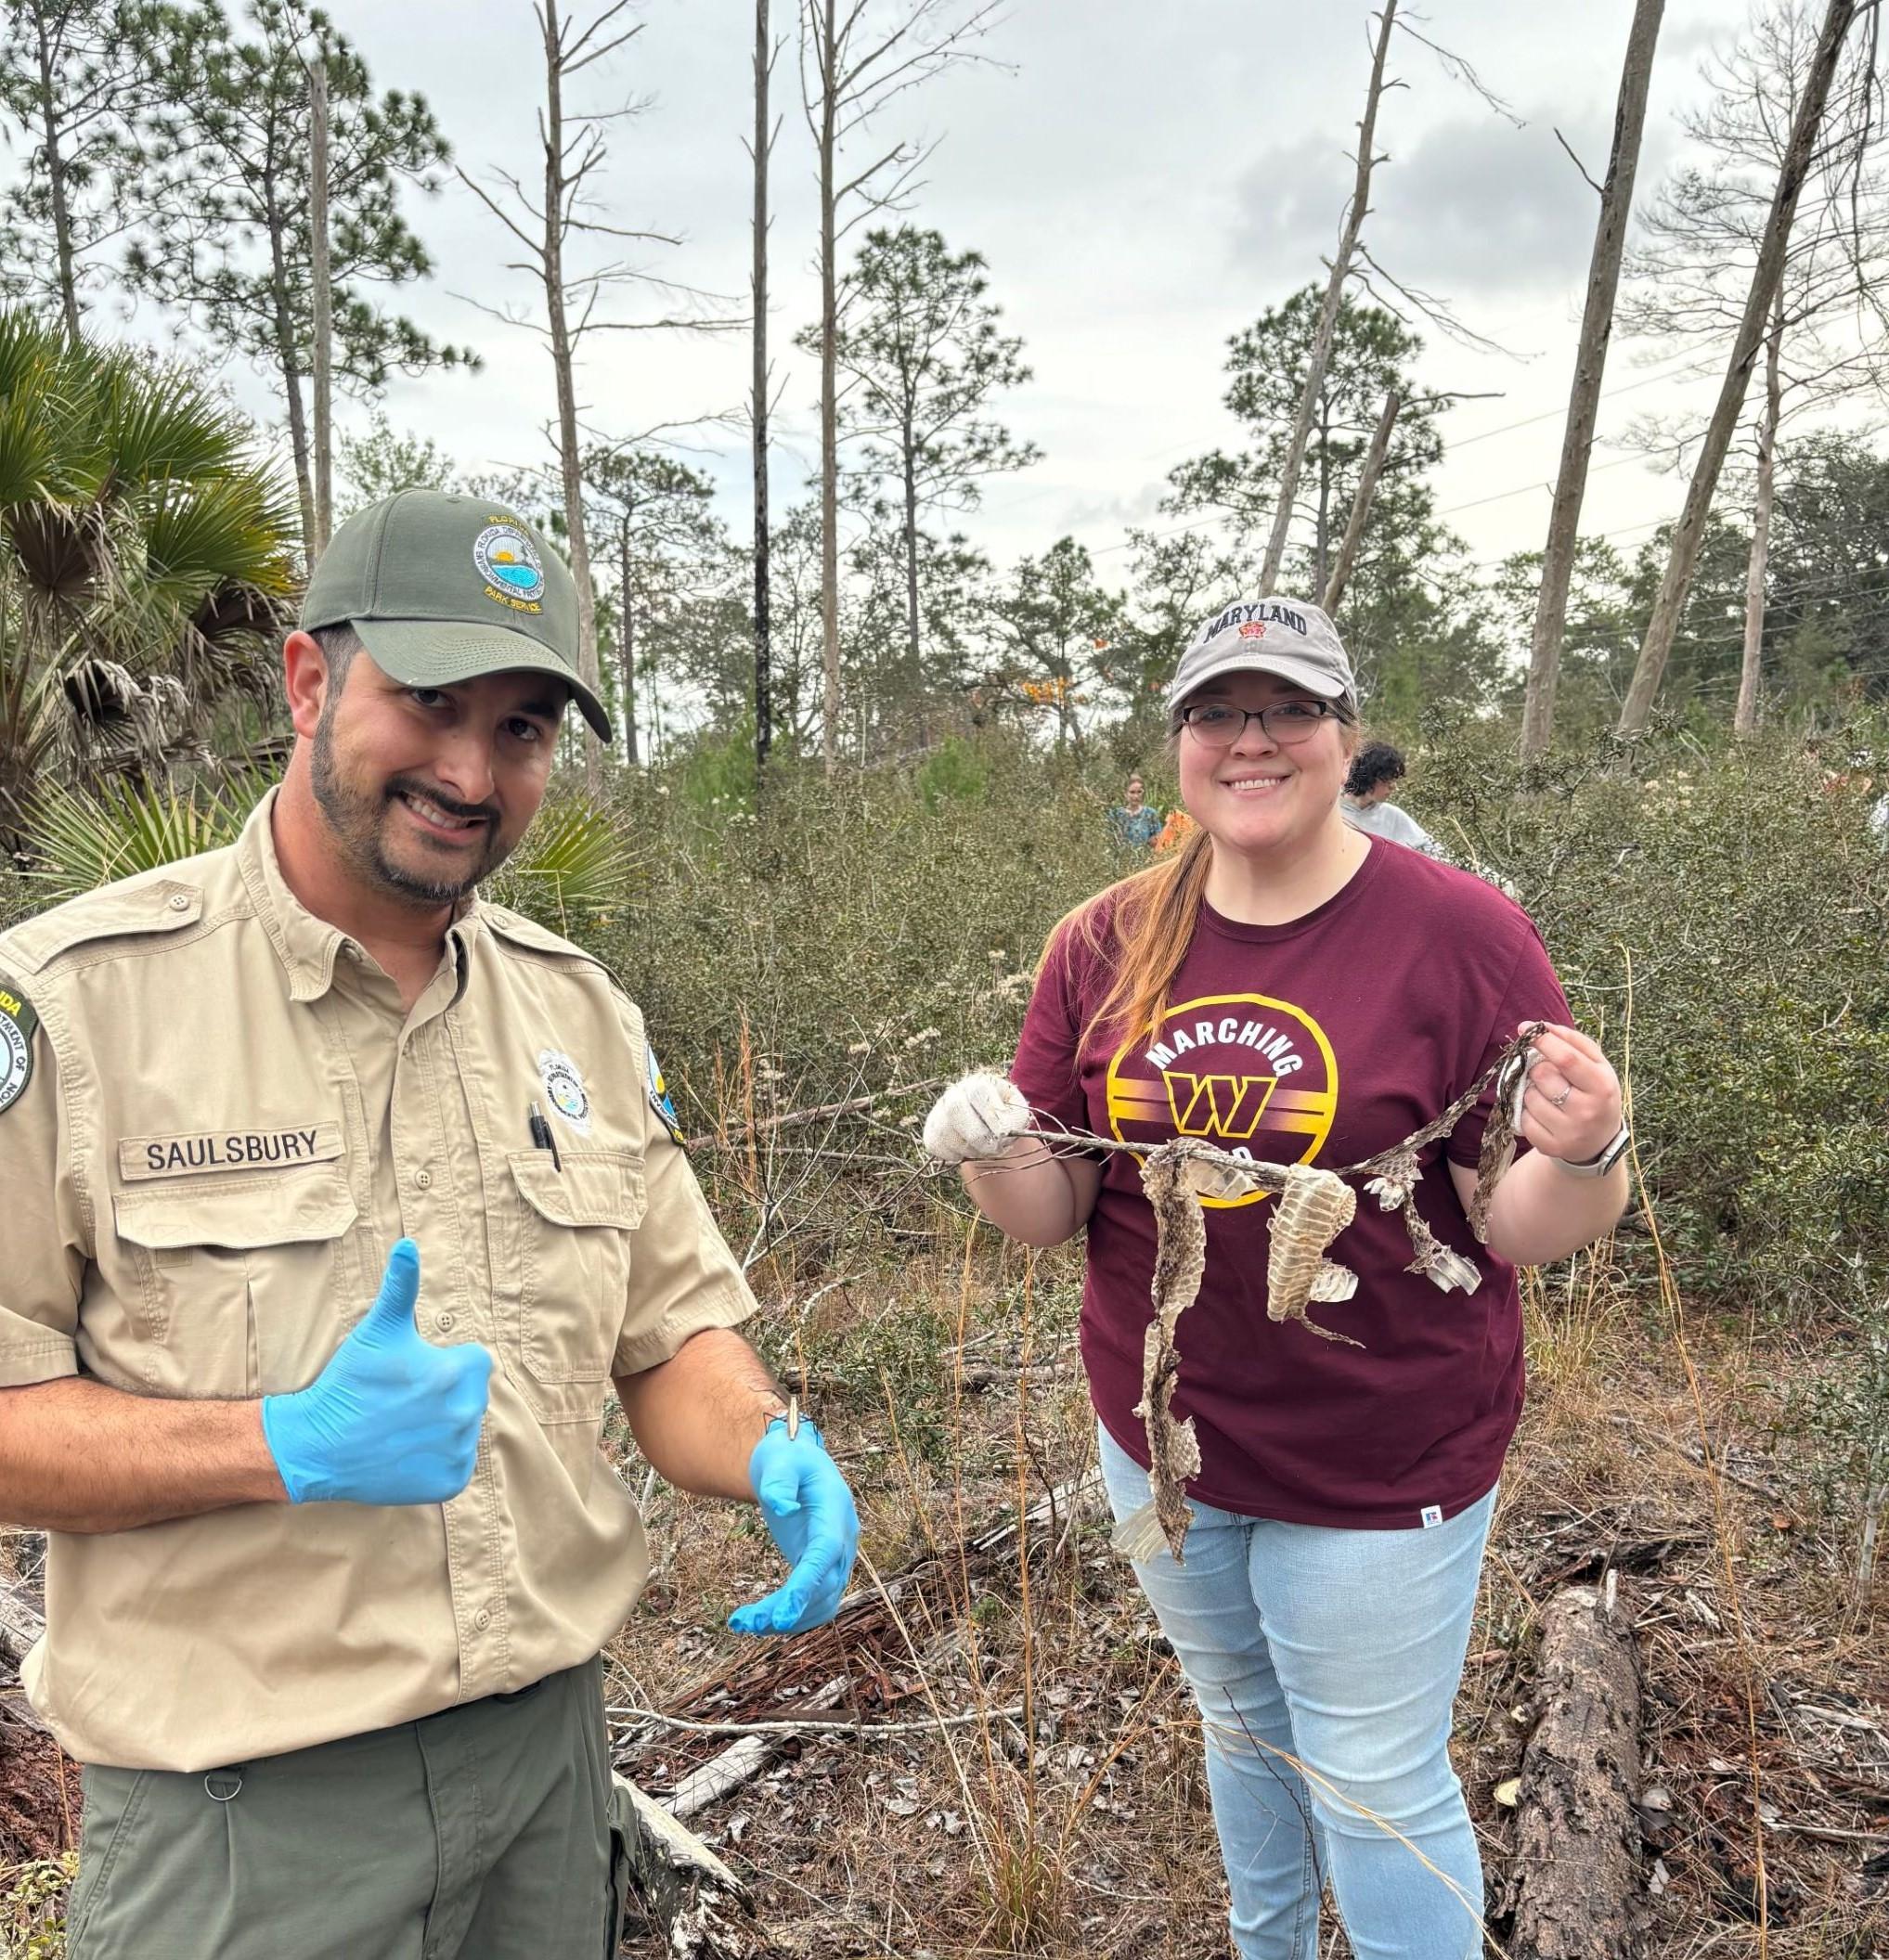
(689, 1898)
(21, 1623)
(1577, 1888)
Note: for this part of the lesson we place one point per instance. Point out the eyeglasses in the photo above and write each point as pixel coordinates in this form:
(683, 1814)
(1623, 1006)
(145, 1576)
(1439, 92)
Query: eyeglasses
(1219, 724)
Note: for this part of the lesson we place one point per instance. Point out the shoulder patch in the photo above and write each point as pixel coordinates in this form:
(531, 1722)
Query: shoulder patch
(17, 1022)
(660, 1099)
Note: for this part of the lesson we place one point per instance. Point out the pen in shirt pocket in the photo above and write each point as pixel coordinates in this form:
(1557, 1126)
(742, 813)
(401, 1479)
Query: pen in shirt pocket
(541, 1136)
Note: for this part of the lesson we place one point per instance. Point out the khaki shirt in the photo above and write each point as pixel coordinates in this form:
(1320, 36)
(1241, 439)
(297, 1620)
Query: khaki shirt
(229, 1121)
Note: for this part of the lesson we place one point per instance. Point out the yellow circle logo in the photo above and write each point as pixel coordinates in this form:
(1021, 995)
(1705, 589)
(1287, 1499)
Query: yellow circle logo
(1253, 1075)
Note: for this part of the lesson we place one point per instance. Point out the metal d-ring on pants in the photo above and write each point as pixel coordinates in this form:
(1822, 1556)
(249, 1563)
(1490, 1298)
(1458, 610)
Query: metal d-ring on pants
(482, 1833)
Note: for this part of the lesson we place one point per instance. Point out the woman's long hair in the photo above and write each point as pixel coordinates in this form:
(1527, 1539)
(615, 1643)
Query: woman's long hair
(1140, 926)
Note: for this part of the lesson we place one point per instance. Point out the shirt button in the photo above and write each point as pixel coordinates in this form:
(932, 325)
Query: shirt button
(482, 1620)
(444, 1324)
(180, 901)
(423, 1179)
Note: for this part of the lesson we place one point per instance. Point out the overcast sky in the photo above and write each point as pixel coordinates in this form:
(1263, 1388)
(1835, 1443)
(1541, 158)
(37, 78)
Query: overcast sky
(1142, 179)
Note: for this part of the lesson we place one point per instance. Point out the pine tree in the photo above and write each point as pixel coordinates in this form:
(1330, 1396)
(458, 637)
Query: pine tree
(226, 184)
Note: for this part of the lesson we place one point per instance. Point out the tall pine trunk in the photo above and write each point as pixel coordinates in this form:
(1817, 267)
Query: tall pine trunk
(764, 690)
(1590, 365)
(829, 405)
(1689, 534)
(322, 294)
(568, 461)
(628, 634)
(913, 650)
(56, 184)
(289, 360)
(1361, 504)
(1751, 665)
(1320, 355)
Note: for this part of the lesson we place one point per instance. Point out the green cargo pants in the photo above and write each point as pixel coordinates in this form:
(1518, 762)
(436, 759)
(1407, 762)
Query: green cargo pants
(482, 1833)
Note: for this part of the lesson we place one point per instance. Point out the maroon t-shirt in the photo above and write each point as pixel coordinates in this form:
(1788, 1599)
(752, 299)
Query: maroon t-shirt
(1322, 1041)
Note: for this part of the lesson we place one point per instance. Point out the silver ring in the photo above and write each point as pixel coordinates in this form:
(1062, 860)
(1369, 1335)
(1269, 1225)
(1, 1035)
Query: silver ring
(1560, 1101)
(217, 1796)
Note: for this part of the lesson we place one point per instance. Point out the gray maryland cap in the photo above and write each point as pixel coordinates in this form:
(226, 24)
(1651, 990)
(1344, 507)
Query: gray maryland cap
(445, 589)
(1267, 636)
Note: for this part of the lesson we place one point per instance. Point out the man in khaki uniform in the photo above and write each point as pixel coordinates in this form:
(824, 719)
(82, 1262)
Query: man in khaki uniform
(329, 1569)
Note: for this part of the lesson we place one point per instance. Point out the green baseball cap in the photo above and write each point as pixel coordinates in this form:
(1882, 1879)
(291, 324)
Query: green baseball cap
(444, 588)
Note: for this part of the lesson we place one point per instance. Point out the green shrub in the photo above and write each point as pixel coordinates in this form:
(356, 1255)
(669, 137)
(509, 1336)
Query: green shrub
(1743, 906)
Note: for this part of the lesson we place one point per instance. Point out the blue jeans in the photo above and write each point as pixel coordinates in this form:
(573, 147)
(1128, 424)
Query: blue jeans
(1325, 1663)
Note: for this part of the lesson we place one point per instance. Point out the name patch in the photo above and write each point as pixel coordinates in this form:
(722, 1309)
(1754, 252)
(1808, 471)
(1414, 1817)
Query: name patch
(277, 1147)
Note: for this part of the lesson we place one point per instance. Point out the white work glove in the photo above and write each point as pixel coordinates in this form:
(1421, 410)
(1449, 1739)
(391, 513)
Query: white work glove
(976, 1117)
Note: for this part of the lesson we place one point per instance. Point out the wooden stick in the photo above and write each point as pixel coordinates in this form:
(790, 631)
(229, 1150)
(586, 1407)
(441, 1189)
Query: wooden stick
(794, 1117)
(864, 1730)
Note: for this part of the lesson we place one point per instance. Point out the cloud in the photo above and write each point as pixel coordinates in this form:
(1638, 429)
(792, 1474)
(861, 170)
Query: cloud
(1473, 207)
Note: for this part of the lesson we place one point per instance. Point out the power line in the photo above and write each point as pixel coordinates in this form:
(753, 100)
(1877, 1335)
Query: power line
(1692, 364)
(1620, 462)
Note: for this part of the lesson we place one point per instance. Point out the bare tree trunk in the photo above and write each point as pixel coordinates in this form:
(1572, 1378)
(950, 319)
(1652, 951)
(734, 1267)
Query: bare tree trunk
(1320, 355)
(627, 631)
(913, 650)
(55, 182)
(1590, 363)
(1361, 503)
(1321, 536)
(569, 463)
(763, 149)
(288, 361)
(1751, 665)
(321, 292)
(1581, 1892)
(829, 398)
(1664, 625)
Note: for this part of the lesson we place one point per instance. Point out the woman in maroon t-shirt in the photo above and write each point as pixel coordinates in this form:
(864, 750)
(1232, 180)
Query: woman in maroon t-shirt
(1295, 990)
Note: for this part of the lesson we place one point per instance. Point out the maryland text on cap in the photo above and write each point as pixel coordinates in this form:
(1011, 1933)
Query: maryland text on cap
(442, 588)
(1266, 636)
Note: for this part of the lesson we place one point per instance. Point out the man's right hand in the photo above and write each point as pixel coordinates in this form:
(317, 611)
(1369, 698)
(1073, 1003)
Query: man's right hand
(976, 1117)
(391, 1419)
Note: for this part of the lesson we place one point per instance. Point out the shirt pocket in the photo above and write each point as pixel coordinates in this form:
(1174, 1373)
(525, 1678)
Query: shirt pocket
(566, 1285)
(243, 1288)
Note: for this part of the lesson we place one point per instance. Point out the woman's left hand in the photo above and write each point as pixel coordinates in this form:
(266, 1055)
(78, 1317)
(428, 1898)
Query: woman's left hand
(1571, 1108)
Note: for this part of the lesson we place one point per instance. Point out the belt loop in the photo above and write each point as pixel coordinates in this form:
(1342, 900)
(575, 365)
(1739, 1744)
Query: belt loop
(218, 1786)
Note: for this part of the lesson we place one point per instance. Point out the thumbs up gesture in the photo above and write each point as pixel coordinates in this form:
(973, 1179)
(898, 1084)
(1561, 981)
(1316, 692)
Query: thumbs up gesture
(391, 1419)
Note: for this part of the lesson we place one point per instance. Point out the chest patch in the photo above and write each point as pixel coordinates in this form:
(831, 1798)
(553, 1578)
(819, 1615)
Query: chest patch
(564, 1084)
(268, 1147)
(16, 1023)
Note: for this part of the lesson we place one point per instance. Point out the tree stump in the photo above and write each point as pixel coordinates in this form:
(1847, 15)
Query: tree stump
(689, 1899)
(21, 1623)
(1577, 1869)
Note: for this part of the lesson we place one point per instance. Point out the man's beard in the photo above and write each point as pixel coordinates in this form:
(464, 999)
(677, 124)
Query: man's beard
(357, 819)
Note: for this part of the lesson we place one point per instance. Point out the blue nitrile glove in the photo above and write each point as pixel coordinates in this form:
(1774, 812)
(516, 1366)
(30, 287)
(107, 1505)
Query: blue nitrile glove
(391, 1419)
(810, 1510)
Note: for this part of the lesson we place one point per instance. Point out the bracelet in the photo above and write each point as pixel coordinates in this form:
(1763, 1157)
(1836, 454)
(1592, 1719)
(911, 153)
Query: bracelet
(1598, 1166)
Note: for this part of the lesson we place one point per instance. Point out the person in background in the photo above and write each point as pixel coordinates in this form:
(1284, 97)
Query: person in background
(1367, 803)
(1133, 822)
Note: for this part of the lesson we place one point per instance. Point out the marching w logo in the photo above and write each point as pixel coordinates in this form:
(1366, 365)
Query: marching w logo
(1218, 1105)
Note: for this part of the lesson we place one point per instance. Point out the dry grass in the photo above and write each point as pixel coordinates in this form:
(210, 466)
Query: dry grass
(1067, 1815)
(1080, 1826)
